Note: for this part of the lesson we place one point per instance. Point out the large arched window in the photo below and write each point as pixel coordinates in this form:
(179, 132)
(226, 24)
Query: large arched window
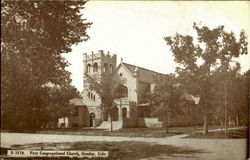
(95, 67)
(88, 68)
(105, 68)
(121, 91)
(111, 68)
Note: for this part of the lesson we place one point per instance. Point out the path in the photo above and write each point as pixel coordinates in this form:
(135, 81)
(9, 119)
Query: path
(218, 149)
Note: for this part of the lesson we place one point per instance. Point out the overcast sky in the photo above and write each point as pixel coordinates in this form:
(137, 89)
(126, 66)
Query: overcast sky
(135, 31)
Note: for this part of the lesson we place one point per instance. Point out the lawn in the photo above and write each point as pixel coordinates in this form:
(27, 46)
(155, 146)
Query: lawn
(127, 150)
(231, 134)
(127, 132)
(130, 132)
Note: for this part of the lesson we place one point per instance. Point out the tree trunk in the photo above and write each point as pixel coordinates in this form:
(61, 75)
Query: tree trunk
(206, 97)
(221, 125)
(225, 94)
(229, 121)
(166, 119)
(64, 122)
(205, 127)
(205, 118)
(237, 120)
(166, 125)
(111, 123)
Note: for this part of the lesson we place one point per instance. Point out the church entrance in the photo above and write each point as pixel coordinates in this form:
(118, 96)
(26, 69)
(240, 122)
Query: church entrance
(115, 114)
(105, 114)
(91, 118)
(124, 112)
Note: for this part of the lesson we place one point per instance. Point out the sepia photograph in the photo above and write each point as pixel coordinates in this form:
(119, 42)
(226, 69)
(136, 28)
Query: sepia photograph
(125, 80)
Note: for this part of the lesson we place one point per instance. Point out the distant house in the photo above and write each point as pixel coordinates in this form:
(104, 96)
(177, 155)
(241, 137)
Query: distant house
(78, 116)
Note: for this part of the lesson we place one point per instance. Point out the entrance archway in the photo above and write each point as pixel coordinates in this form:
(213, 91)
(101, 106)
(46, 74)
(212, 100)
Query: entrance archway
(91, 119)
(105, 114)
(124, 112)
(115, 114)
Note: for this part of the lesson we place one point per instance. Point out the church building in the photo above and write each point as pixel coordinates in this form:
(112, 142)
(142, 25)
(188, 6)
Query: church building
(129, 85)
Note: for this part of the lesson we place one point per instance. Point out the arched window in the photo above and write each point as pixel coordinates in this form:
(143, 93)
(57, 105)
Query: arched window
(105, 68)
(89, 94)
(95, 67)
(94, 97)
(111, 68)
(88, 68)
(121, 91)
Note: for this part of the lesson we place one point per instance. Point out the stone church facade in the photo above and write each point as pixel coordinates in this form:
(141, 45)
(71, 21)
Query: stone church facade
(130, 86)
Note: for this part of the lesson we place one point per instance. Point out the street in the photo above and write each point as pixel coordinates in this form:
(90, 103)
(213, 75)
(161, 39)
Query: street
(212, 149)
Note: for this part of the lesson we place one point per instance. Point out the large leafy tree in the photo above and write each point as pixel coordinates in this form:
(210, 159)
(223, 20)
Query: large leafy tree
(201, 54)
(34, 34)
(167, 99)
(230, 96)
(57, 103)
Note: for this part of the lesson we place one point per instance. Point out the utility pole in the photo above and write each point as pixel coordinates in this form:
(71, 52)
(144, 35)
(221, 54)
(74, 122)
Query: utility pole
(111, 119)
(111, 124)
(225, 102)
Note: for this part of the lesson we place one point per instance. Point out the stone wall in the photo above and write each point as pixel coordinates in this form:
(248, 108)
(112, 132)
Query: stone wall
(150, 122)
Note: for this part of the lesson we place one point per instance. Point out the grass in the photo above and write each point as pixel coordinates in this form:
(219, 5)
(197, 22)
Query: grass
(127, 150)
(127, 132)
(231, 134)
(130, 132)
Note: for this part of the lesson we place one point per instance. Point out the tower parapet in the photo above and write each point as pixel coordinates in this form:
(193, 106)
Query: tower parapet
(101, 54)
(99, 64)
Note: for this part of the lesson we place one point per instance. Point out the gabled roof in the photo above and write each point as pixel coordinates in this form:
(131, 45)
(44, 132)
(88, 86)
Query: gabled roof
(145, 75)
(131, 68)
(76, 102)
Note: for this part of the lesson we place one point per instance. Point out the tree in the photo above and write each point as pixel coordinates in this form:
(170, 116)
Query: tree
(215, 49)
(34, 34)
(236, 96)
(166, 99)
(57, 102)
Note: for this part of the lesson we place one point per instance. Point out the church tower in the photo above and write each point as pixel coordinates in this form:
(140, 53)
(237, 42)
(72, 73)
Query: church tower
(100, 66)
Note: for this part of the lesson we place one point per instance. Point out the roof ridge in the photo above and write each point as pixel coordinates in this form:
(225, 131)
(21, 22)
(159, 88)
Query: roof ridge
(144, 68)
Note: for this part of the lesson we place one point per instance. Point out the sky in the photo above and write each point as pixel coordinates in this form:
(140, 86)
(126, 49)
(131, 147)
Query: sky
(135, 30)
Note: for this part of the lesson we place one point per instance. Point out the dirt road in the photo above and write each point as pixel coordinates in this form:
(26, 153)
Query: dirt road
(213, 149)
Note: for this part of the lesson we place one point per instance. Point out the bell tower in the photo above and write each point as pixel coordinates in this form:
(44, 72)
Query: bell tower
(100, 66)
